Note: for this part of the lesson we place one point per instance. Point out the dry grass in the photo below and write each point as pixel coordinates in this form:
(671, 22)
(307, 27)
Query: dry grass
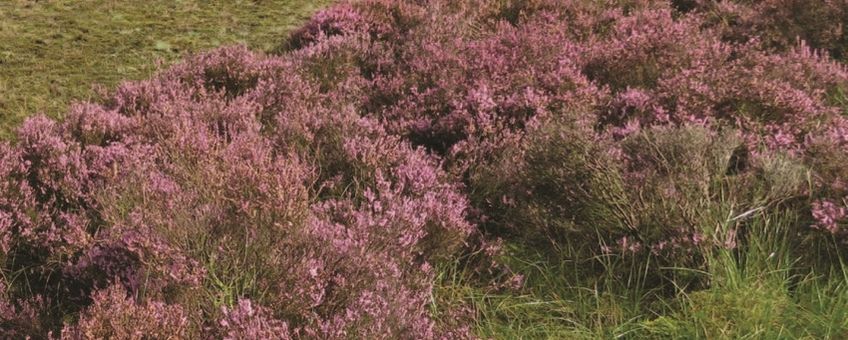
(53, 52)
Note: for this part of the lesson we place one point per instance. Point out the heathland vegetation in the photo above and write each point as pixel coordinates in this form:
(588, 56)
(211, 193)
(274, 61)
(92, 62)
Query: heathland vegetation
(451, 169)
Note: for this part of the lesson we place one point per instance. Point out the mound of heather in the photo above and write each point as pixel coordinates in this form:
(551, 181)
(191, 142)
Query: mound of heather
(658, 125)
(310, 194)
(225, 197)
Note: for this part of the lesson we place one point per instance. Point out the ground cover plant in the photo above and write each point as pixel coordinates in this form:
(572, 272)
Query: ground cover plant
(451, 169)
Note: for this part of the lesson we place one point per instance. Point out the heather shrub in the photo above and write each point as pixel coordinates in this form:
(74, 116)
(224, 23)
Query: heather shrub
(779, 24)
(114, 315)
(826, 153)
(645, 131)
(21, 318)
(244, 321)
(322, 192)
(226, 178)
(463, 77)
(781, 97)
(649, 45)
(673, 194)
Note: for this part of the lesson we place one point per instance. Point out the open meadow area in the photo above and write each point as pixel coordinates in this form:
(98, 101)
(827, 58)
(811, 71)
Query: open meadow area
(424, 169)
(54, 52)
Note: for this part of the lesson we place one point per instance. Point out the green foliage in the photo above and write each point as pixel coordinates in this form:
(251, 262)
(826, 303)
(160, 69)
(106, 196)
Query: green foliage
(761, 291)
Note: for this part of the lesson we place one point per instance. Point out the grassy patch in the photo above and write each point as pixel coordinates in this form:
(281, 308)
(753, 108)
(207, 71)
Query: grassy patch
(761, 291)
(53, 52)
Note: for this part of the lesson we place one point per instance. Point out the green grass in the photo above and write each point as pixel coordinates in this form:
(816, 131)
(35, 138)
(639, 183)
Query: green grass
(53, 52)
(759, 292)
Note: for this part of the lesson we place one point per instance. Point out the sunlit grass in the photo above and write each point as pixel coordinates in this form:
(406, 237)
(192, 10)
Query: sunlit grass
(761, 291)
(53, 52)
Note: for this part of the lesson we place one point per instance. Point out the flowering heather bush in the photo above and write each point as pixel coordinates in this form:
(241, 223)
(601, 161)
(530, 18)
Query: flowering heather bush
(225, 178)
(19, 318)
(670, 192)
(780, 23)
(114, 315)
(244, 321)
(312, 193)
(524, 95)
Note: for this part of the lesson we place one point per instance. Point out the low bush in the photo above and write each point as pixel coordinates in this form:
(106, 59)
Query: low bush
(211, 184)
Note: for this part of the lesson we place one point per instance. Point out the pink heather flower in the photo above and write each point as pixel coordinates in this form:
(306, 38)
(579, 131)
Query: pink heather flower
(730, 241)
(697, 238)
(113, 314)
(658, 248)
(6, 231)
(246, 321)
(828, 215)
(625, 244)
(516, 282)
